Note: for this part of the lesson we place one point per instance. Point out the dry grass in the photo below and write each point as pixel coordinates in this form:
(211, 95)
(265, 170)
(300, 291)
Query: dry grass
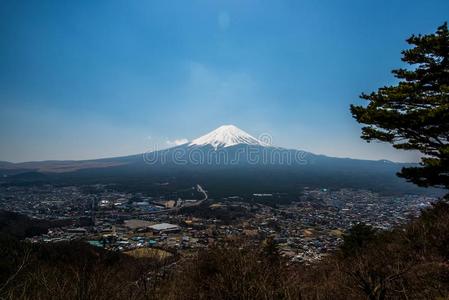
(149, 253)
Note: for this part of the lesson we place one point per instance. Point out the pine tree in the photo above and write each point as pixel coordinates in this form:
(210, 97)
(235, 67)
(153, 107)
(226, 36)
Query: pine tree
(414, 114)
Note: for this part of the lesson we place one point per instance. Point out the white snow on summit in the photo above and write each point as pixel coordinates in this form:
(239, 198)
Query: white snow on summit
(226, 136)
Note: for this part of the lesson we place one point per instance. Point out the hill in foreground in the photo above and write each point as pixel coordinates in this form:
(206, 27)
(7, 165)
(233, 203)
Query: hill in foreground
(410, 262)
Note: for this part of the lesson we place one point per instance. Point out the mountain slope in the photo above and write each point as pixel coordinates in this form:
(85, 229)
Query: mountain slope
(227, 161)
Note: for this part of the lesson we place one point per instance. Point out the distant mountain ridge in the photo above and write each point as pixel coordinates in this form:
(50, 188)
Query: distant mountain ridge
(227, 159)
(226, 136)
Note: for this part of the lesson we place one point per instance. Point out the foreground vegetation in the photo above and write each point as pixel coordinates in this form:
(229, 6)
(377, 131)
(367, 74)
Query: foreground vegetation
(411, 262)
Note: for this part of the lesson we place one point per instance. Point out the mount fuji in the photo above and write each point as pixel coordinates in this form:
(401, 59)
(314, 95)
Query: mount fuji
(227, 161)
(226, 136)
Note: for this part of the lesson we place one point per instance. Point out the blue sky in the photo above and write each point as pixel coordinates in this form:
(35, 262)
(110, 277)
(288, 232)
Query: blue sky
(88, 79)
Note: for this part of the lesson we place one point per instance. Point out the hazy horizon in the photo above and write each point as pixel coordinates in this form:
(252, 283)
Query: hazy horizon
(177, 142)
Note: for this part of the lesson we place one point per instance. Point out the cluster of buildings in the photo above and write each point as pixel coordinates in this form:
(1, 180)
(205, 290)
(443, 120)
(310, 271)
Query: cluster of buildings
(305, 229)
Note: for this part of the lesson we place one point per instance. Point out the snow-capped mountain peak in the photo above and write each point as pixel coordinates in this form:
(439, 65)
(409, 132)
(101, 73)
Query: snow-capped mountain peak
(226, 136)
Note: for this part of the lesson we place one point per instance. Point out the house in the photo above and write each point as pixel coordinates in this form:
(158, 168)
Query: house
(165, 228)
